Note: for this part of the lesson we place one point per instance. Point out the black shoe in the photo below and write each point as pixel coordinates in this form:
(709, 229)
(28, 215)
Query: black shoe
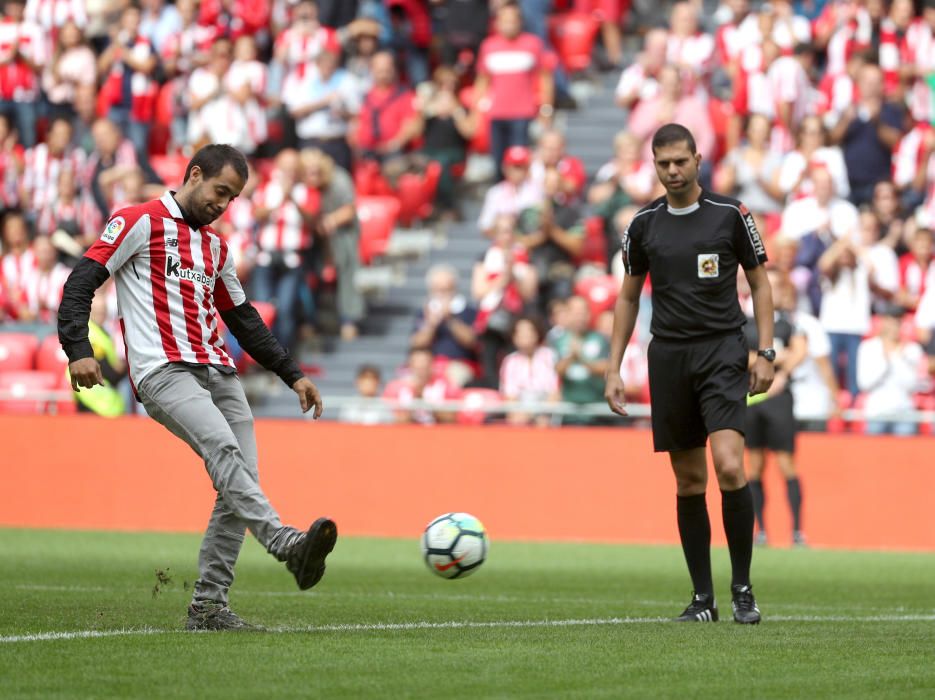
(214, 617)
(306, 558)
(798, 539)
(703, 608)
(744, 605)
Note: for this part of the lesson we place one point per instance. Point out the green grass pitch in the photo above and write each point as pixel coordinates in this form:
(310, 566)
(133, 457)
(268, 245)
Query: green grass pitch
(79, 618)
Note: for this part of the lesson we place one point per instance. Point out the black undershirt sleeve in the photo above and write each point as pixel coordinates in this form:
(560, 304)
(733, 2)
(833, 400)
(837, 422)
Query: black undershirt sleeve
(255, 338)
(75, 308)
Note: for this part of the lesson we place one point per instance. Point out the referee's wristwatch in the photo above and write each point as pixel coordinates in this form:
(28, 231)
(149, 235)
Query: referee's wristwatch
(767, 354)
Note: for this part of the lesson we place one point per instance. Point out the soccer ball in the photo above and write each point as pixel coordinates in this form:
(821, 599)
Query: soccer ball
(454, 545)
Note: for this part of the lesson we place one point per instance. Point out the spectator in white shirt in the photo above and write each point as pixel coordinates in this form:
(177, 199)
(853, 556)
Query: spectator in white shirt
(640, 81)
(794, 177)
(845, 304)
(889, 371)
(72, 64)
(322, 100)
(516, 192)
(528, 375)
(822, 209)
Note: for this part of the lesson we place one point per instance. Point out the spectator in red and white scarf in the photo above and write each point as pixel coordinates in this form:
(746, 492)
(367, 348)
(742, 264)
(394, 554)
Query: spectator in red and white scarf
(298, 46)
(23, 54)
(52, 15)
(285, 210)
(129, 62)
(503, 283)
(189, 47)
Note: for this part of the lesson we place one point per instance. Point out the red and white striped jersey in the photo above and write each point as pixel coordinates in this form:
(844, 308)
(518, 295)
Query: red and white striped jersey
(907, 158)
(171, 282)
(920, 52)
(15, 268)
(285, 231)
(18, 81)
(51, 216)
(43, 290)
(52, 14)
(297, 50)
(182, 46)
(41, 173)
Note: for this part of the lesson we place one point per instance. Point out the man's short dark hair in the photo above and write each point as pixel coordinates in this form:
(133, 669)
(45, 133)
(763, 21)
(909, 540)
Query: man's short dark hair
(368, 370)
(673, 133)
(212, 158)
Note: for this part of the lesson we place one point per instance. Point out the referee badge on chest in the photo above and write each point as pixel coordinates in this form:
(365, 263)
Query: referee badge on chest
(708, 265)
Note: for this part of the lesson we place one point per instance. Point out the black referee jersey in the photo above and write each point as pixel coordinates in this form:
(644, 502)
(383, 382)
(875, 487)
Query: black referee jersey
(691, 255)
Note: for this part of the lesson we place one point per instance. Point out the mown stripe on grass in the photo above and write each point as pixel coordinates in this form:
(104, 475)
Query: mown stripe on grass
(453, 624)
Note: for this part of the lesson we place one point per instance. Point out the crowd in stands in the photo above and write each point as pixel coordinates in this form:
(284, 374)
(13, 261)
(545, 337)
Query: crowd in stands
(817, 116)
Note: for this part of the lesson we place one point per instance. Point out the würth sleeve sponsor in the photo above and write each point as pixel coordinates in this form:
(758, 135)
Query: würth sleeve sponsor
(125, 235)
(747, 241)
(635, 261)
(228, 292)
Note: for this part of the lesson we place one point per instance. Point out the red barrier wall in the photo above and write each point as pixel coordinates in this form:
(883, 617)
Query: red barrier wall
(557, 484)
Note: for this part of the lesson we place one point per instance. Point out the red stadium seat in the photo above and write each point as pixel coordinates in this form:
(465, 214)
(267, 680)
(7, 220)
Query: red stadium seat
(926, 402)
(368, 180)
(50, 356)
(600, 291)
(595, 245)
(27, 391)
(17, 351)
(267, 312)
(377, 216)
(417, 194)
(171, 168)
(473, 401)
(573, 35)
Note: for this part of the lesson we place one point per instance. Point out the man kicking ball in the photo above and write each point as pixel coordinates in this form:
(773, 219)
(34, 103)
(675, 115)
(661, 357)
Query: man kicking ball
(174, 277)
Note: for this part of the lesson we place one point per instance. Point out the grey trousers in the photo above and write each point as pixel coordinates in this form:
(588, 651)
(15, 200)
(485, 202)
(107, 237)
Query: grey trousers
(208, 410)
(345, 248)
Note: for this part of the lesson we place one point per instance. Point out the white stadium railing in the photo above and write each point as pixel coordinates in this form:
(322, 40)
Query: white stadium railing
(335, 404)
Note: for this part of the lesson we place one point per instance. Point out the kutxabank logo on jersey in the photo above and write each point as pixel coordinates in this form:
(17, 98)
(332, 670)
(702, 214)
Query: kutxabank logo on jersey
(174, 269)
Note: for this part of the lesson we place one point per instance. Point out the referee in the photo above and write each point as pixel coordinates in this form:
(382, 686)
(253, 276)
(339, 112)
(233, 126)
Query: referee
(691, 242)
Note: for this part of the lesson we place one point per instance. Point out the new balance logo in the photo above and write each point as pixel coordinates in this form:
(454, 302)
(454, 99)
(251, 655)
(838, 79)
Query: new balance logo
(174, 269)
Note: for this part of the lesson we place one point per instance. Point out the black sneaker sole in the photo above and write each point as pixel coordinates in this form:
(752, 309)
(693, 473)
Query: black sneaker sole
(747, 622)
(319, 542)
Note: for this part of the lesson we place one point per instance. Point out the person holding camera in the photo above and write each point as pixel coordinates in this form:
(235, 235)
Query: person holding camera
(445, 325)
(504, 283)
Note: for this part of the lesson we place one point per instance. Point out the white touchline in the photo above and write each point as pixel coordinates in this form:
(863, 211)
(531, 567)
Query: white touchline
(453, 624)
(618, 602)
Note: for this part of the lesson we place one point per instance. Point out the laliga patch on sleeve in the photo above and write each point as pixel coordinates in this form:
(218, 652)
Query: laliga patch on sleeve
(113, 230)
(708, 265)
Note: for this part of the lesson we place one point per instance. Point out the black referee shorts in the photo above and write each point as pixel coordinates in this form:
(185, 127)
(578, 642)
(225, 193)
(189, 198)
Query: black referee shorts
(697, 387)
(771, 424)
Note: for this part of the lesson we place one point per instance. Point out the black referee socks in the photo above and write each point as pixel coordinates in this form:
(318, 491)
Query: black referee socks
(759, 500)
(695, 532)
(737, 510)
